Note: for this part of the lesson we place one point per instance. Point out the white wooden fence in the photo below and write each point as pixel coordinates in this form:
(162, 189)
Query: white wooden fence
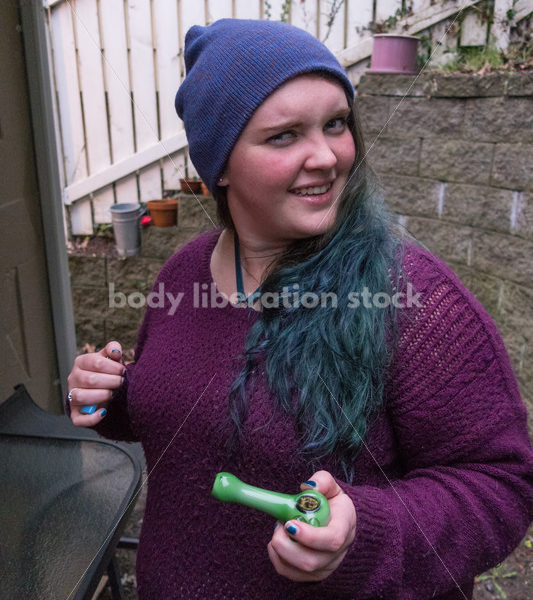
(117, 64)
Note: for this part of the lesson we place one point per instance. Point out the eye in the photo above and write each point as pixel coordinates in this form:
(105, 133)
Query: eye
(281, 139)
(337, 124)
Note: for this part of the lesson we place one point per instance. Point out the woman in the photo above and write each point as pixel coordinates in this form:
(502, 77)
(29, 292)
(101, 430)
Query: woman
(349, 359)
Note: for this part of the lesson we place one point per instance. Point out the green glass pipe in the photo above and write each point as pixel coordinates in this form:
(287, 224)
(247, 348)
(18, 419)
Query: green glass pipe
(309, 506)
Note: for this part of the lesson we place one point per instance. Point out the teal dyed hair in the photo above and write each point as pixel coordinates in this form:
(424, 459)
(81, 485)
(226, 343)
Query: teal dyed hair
(326, 365)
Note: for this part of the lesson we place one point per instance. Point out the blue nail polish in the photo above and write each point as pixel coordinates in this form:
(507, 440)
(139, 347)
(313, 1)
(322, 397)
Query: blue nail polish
(291, 529)
(88, 409)
(310, 482)
(115, 351)
(103, 413)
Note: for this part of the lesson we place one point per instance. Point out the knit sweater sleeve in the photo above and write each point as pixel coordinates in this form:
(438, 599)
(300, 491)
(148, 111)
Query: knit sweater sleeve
(466, 497)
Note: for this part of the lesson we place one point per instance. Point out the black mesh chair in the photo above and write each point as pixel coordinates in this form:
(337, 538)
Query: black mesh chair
(65, 495)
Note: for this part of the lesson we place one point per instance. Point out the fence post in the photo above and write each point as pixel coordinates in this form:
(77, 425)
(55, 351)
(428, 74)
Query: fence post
(40, 91)
(501, 28)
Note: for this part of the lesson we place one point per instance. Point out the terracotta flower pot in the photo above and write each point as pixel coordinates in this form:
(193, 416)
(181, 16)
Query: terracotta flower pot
(394, 54)
(164, 213)
(191, 186)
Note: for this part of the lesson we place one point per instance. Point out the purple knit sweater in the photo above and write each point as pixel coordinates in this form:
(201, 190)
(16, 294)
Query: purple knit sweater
(443, 488)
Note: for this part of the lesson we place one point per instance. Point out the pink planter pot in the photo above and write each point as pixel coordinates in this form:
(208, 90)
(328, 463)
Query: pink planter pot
(394, 54)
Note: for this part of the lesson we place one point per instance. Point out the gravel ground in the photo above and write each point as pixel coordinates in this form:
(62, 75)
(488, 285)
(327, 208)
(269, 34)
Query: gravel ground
(126, 558)
(511, 580)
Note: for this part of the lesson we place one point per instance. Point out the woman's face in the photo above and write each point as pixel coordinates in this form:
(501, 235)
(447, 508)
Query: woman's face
(291, 162)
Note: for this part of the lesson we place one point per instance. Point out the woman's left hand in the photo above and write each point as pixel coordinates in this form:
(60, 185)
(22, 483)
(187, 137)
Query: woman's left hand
(319, 550)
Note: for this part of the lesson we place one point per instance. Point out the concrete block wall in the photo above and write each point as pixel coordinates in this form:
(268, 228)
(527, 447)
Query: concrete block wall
(108, 292)
(455, 156)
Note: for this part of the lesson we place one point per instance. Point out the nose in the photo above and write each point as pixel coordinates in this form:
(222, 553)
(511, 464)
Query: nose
(320, 154)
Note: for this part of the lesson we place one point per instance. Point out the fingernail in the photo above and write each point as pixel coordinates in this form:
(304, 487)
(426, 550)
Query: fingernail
(276, 526)
(292, 529)
(115, 351)
(123, 379)
(88, 409)
(103, 412)
(310, 482)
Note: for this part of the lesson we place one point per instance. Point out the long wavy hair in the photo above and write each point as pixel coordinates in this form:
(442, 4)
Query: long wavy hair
(326, 365)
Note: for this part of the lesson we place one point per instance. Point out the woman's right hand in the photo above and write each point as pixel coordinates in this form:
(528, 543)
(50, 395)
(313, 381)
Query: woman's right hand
(92, 381)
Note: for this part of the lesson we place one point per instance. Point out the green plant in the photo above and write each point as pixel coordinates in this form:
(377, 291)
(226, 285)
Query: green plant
(268, 10)
(285, 10)
(391, 22)
(104, 230)
(424, 51)
(485, 10)
(495, 574)
(336, 5)
(473, 59)
(520, 54)
(330, 14)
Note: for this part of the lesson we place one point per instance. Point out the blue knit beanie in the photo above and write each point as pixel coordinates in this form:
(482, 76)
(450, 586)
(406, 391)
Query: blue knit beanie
(232, 66)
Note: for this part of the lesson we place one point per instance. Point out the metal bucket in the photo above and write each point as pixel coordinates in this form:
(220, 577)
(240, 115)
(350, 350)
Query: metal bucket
(126, 219)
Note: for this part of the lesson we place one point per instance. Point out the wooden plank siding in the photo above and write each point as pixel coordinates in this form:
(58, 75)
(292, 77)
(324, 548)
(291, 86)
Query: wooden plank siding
(118, 96)
(118, 63)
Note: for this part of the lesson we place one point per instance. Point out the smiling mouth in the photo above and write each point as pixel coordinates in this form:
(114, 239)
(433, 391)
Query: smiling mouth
(312, 191)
